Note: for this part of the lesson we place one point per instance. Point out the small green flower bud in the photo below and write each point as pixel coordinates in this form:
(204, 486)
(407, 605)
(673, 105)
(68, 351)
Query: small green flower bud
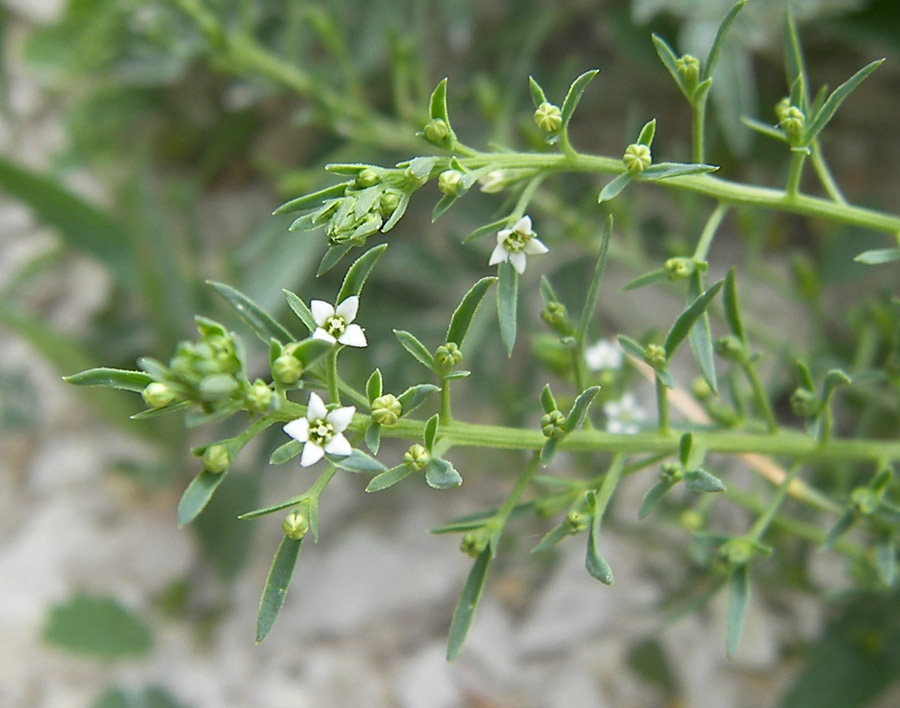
(158, 395)
(217, 387)
(450, 183)
(473, 543)
(804, 402)
(576, 522)
(863, 501)
(216, 458)
(367, 177)
(679, 268)
(295, 525)
(792, 122)
(637, 158)
(553, 424)
(286, 370)
(437, 132)
(548, 117)
(700, 389)
(731, 348)
(556, 317)
(671, 473)
(691, 520)
(259, 397)
(388, 202)
(655, 355)
(688, 68)
(416, 457)
(386, 409)
(782, 107)
(447, 355)
(735, 552)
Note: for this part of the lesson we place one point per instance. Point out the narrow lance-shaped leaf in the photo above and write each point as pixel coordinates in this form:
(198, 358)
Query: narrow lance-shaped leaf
(444, 203)
(507, 296)
(632, 347)
(437, 107)
(738, 595)
(374, 385)
(309, 200)
(700, 337)
(112, 378)
(372, 437)
(668, 59)
(332, 257)
(463, 314)
(359, 272)
(358, 462)
(837, 97)
(614, 187)
(732, 312)
(652, 498)
(284, 453)
(647, 133)
(300, 309)
(548, 402)
(684, 448)
(537, 93)
(414, 396)
(416, 348)
(276, 587)
(686, 319)
(548, 450)
(653, 276)
(552, 537)
(839, 529)
(398, 213)
(573, 96)
(486, 229)
(580, 408)
(197, 496)
(879, 256)
(388, 478)
(668, 170)
(468, 601)
(260, 322)
(793, 55)
(590, 301)
(256, 513)
(307, 351)
(764, 129)
(712, 56)
(431, 430)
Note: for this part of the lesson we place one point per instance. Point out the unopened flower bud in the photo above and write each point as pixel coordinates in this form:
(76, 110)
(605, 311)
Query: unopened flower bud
(450, 183)
(286, 369)
(863, 501)
(548, 117)
(448, 355)
(416, 457)
(216, 458)
(473, 543)
(556, 317)
(553, 424)
(259, 397)
(782, 107)
(295, 525)
(367, 177)
(217, 387)
(804, 402)
(437, 132)
(388, 202)
(679, 268)
(158, 395)
(735, 552)
(386, 409)
(637, 158)
(792, 121)
(575, 522)
(700, 389)
(731, 348)
(688, 68)
(655, 355)
(671, 473)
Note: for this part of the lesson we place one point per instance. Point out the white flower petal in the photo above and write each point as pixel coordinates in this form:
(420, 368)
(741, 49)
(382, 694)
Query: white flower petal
(353, 336)
(518, 261)
(502, 234)
(323, 335)
(338, 445)
(603, 355)
(340, 418)
(348, 308)
(311, 454)
(535, 247)
(298, 429)
(321, 311)
(316, 410)
(498, 255)
(523, 225)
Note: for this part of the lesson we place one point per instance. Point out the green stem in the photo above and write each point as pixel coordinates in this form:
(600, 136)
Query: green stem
(824, 173)
(662, 405)
(331, 376)
(446, 415)
(762, 523)
(698, 129)
(759, 395)
(795, 171)
(516, 492)
(610, 482)
(709, 232)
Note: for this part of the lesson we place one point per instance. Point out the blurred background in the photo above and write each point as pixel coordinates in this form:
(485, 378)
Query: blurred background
(143, 147)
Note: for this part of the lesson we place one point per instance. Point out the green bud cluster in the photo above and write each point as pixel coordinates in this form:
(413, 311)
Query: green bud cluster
(216, 458)
(864, 501)
(473, 543)
(386, 409)
(553, 424)
(637, 158)
(688, 68)
(655, 355)
(679, 268)
(448, 355)
(735, 553)
(158, 395)
(295, 525)
(556, 318)
(450, 182)
(416, 457)
(804, 403)
(576, 522)
(731, 348)
(437, 132)
(286, 370)
(792, 121)
(671, 473)
(548, 117)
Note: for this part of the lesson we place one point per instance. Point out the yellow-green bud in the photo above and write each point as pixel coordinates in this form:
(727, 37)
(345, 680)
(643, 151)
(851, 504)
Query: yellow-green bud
(688, 68)
(556, 317)
(863, 501)
(671, 473)
(655, 355)
(158, 395)
(553, 424)
(473, 543)
(286, 369)
(735, 552)
(216, 458)
(367, 177)
(804, 402)
(700, 389)
(679, 268)
(731, 348)
(575, 522)
(295, 525)
(548, 117)
(416, 457)
(447, 355)
(450, 183)
(691, 519)
(386, 409)
(437, 132)
(637, 158)
(792, 121)
(388, 202)
(781, 108)
(259, 397)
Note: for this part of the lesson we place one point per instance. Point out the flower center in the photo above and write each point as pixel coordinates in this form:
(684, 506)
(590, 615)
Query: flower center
(516, 241)
(320, 432)
(335, 325)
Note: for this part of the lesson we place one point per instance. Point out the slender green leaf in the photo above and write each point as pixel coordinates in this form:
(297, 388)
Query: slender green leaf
(276, 587)
(548, 451)
(261, 323)
(537, 93)
(486, 229)
(111, 378)
(793, 57)
(580, 408)
(668, 170)
(388, 478)
(665, 377)
(332, 257)
(358, 462)
(257, 513)
(631, 347)
(590, 300)
(668, 59)
(803, 374)
(437, 107)
(712, 57)
(732, 311)
(573, 96)
(444, 203)
(414, 396)
(468, 601)
(700, 337)
(359, 272)
(416, 348)
(431, 430)
(398, 212)
(652, 498)
(593, 561)
(833, 379)
(614, 187)
(507, 296)
(837, 97)
(738, 595)
(374, 385)
(440, 474)
(552, 537)
(700, 480)
(764, 129)
(307, 201)
(879, 256)
(548, 402)
(546, 290)
(197, 496)
(653, 276)
(684, 449)
(286, 452)
(686, 319)
(155, 412)
(97, 626)
(839, 529)
(647, 133)
(463, 314)
(698, 97)
(307, 351)
(300, 309)
(373, 437)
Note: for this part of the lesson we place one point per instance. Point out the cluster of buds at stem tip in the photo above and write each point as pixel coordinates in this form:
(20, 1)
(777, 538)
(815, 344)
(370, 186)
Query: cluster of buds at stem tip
(731, 348)
(688, 68)
(386, 409)
(553, 424)
(548, 117)
(637, 158)
(450, 182)
(671, 473)
(416, 457)
(575, 522)
(735, 553)
(655, 355)
(216, 458)
(474, 543)
(556, 317)
(437, 132)
(804, 403)
(679, 268)
(448, 355)
(790, 118)
(295, 525)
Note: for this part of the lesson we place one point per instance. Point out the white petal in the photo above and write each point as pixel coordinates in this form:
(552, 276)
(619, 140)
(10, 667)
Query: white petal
(338, 445)
(340, 418)
(523, 225)
(298, 429)
(353, 336)
(347, 309)
(311, 454)
(321, 311)
(518, 261)
(535, 247)
(315, 410)
(498, 255)
(501, 236)
(323, 335)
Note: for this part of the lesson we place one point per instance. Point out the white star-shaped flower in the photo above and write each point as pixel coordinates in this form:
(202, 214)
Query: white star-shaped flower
(516, 243)
(624, 416)
(603, 355)
(333, 323)
(321, 431)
